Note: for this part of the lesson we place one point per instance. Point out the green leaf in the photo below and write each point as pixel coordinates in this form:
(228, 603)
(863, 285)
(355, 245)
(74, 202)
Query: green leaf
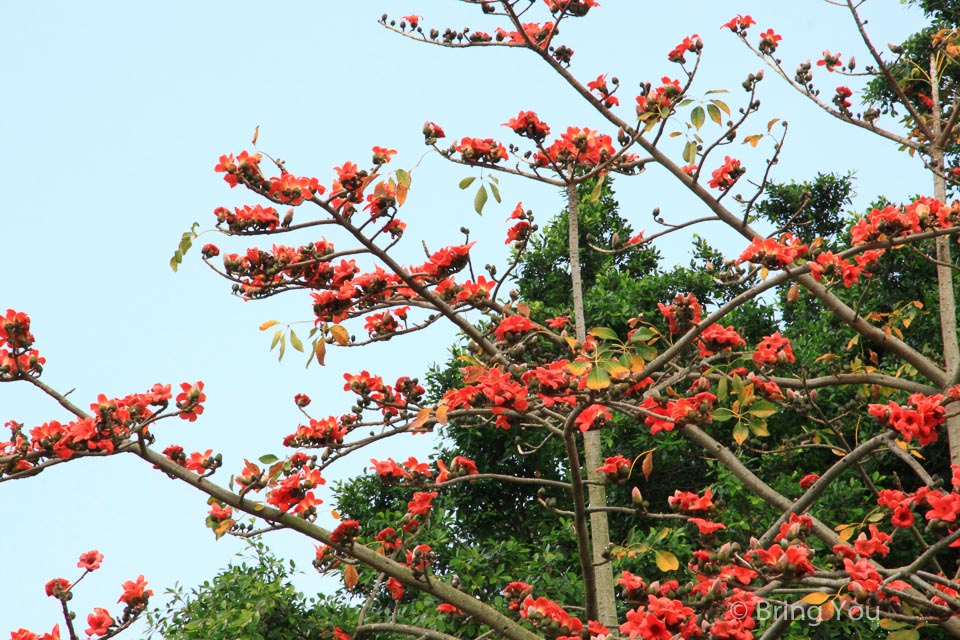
(685, 102)
(604, 333)
(577, 367)
(597, 188)
(295, 341)
(721, 105)
(283, 346)
(276, 339)
(268, 458)
(737, 385)
(904, 634)
(186, 241)
(740, 432)
(646, 352)
(598, 379)
(697, 118)
(722, 389)
(480, 199)
(643, 334)
(403, 177)
(714, 112)
(762, 409)
(690, 152)
(495, 190)
(713, 91)
(722, 414)
(466, 182)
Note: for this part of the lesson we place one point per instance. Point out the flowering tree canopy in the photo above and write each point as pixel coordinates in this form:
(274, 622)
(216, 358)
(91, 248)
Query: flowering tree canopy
(823, 470)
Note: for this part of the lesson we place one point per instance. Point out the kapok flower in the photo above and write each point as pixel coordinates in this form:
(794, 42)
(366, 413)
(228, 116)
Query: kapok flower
(90, 560)
(739, 24)
(769, 42)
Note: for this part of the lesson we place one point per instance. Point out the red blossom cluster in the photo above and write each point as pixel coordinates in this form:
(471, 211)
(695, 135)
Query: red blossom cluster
(661, 618)
(547, 614)
(769, 41)
(656, 104)
(135, 596)
(923, 214)
(919, 420)
(573, 8)
(285, 188)
(774, 253)
(664, 414)
(690, 44)
(717, 338)
(773, 350)
(683, 314)
(727, 174)
(616, 468)
(739, 24)
(493, 389)
(576, 147)
(520, 231)
(841, 98)
(606, 95)
(831, 265)
(247, 218)
(113, 421)
(386, 322)
(829, 60)
(528, 125)
(17, 357)
(481, 151)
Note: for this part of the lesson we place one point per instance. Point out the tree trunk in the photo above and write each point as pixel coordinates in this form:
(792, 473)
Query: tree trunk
(593, 451)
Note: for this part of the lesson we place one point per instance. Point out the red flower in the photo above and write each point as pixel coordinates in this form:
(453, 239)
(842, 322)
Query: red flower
(413, 20)
(809, 480)
(707, 527)
(56, 587)
(135, 593)
(616, 468)
(829, 60)
(432, 132)
(346, 532)
(686, 501)
(724, 177)
(395, 587)
(769, 41)
(190, 399)
(772, 350)
(840, 98)
(90, 560)
(593, 417)
(486, 150)
(690, 44)
(422, 503)
(739, 23)
(100, 622)
(528, 125)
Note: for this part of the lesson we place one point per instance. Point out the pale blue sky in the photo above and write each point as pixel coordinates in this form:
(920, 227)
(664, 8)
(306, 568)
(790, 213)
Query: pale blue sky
(114, 116)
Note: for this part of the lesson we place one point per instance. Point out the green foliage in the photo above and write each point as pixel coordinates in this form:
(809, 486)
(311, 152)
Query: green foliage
(252, 600)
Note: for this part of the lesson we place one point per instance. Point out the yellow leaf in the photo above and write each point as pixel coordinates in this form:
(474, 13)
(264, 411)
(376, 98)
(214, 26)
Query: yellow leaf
(350, 576)
(256, 134)
(793, 293)
(269, 323)
(666, 561)
(442, 414)
(846, 531)
(827, 356)
(335, 514)
(341, 335)
(647, 465)
(320, 349)
(827, 611)
(523, 309)
(422, 416)
(764, 272)
(815, 598)
(838, 452)
(917, 454)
